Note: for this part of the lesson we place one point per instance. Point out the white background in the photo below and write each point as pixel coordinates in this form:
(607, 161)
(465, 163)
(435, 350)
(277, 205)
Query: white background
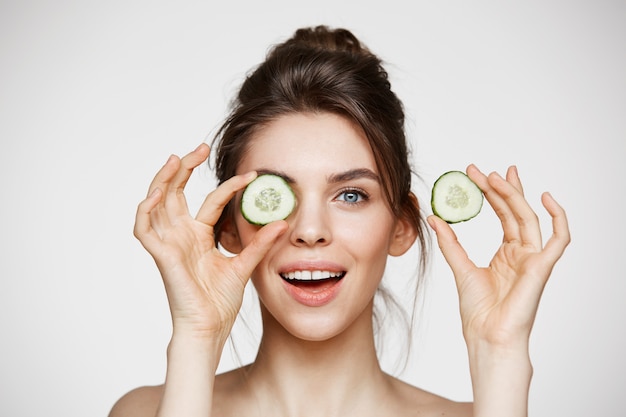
(94, 96)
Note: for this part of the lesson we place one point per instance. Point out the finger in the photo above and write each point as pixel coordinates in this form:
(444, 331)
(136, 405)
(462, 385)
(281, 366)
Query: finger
(524, 216)
(187, 164)
(561, 237)
(510, 226)
(553, 250)
(161, 182)
(143, 229)
(162, 179)
(214, 204)
(512, 177)
(451, 249)
(175, 201)
(261, 243)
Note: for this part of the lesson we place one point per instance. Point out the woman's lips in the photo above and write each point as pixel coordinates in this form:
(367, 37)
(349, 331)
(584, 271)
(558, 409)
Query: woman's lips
(312, 284)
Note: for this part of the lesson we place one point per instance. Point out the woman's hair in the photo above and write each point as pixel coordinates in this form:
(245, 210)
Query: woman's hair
(323, 70)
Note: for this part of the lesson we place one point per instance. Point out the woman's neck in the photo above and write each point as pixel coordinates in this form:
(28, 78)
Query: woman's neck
(299, 377)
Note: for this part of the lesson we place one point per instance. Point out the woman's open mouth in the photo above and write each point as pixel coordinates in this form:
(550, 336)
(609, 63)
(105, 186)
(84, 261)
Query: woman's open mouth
(314, 281)
(313, 288)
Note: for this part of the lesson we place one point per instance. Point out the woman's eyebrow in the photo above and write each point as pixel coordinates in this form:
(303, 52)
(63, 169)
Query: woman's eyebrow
(353, 174)
(349, 175)
(287, 178)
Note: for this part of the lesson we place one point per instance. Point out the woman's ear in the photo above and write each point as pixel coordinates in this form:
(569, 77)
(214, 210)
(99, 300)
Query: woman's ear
(403, 238)
(404, 234)
(229, 237)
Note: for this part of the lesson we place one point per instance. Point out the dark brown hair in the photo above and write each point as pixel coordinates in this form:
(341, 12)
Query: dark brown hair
(325, 70)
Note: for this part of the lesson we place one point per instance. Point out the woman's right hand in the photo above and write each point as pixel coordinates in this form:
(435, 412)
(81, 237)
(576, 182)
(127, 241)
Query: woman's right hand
(204, 287)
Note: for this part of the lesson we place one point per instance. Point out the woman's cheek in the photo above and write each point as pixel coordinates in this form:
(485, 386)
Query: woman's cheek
(373, 231)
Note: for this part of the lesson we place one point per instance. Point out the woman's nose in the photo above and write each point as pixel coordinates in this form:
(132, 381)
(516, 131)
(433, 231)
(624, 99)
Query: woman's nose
(309, 225)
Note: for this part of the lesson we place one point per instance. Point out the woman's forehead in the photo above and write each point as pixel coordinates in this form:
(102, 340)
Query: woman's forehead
(309, 140)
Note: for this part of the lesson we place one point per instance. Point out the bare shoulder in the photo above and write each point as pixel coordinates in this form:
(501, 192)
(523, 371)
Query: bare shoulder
(144, 401)
(413, 401)
(140, 402)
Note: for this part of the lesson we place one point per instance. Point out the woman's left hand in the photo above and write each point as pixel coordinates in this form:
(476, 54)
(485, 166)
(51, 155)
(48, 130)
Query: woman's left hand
(499, 302)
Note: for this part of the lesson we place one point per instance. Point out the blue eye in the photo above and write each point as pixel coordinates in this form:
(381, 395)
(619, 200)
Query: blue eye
(352, 196)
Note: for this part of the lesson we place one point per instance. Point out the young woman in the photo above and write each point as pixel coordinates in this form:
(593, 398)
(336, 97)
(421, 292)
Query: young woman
(320, 113)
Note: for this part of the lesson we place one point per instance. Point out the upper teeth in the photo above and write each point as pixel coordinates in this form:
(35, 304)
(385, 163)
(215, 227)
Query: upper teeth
(311, 275)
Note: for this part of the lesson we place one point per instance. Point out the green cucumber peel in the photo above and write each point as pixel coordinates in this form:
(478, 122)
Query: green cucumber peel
(456, 198)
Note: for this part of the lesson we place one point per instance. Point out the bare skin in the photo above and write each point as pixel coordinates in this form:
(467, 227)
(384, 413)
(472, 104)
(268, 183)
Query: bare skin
(256, 391)
(233, 391)
(320, 361)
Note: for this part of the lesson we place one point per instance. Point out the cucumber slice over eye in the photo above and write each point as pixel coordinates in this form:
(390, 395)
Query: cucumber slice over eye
(266, 199)
(455, 197)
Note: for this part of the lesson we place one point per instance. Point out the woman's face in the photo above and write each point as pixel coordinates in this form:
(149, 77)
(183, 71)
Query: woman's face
(323, 272)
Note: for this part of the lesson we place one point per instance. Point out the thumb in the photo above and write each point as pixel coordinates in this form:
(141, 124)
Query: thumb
(451, 249)
(253, 253)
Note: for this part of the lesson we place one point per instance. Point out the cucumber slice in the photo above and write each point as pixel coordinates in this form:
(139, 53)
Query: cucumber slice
(266, 199)
(455, 197)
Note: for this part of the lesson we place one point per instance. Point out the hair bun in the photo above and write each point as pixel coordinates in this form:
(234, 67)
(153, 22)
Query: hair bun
(324, 38)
